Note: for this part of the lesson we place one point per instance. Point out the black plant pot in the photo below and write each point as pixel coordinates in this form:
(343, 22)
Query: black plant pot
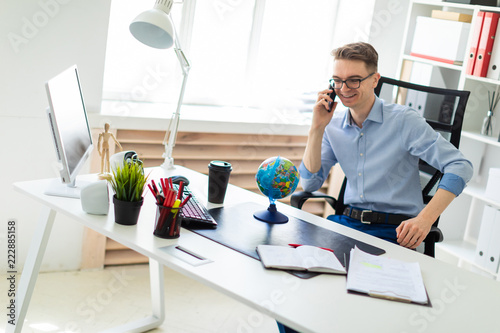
(127, 212)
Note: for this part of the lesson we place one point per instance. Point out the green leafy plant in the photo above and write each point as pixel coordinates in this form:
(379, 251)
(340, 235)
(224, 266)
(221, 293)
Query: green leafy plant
(128, 181)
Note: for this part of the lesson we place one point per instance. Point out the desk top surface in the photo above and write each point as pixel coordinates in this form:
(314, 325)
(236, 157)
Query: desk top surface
(462, 301)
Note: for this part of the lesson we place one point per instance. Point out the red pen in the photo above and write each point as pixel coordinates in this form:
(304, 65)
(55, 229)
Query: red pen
(323, 248)
(153, 191)
(186, 200)
(180, 191)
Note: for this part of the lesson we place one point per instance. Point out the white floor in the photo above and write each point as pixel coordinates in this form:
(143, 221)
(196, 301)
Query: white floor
(90, 301)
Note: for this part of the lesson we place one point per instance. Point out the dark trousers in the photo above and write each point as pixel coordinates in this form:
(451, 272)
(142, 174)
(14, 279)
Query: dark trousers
(384, 231)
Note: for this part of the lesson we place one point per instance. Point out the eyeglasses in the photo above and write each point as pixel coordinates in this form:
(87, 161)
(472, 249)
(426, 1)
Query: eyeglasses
(350, 83)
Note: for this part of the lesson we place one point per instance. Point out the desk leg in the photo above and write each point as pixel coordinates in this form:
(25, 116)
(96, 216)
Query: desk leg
(32, 267)
(156, 279)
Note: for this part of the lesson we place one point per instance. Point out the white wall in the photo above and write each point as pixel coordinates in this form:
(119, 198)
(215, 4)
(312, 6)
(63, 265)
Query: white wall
(41, 38)
(378, 22)
(386, 33)
(353, 24)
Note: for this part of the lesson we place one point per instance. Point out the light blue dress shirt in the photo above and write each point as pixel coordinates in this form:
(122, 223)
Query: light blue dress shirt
(380, 160)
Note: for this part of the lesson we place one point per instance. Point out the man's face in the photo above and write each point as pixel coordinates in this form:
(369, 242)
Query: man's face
(362, 97)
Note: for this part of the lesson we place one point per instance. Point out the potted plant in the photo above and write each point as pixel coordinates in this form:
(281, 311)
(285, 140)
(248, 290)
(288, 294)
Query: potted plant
(128, 182)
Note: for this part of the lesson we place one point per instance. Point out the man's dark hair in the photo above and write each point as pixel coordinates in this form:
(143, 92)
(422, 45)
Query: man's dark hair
(358, 51)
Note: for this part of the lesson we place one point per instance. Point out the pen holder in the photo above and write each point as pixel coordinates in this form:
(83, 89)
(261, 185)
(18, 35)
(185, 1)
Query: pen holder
(168, 222)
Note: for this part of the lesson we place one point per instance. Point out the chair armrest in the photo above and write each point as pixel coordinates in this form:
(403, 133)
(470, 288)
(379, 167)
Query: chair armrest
(299, 198)
(434, 236)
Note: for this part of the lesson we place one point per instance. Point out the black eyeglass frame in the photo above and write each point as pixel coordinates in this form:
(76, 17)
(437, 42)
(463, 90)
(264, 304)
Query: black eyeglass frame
(332, 82)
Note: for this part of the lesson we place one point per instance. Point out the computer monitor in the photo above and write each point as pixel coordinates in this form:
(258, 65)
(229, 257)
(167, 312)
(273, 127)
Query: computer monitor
(70, 131)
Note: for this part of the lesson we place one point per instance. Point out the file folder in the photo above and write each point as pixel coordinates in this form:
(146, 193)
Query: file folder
(494, 245)
(494, 65)
(427, 75)
(483, 240)
(493, 184)
(486, 41)
(474, 43)
(420, 74)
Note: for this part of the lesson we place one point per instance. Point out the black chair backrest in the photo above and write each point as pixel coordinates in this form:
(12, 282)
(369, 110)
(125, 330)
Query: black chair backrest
(442, 108)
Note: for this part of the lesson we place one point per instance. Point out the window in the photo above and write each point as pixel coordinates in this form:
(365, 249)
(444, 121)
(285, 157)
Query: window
(242, 52)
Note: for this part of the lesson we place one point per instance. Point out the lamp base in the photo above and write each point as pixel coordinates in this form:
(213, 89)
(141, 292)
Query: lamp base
(168, 164)
(271, 215)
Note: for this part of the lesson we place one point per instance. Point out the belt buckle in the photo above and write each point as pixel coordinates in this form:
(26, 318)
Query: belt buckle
(363, 215)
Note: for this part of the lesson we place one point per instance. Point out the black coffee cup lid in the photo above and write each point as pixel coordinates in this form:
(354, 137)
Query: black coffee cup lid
(220, 165)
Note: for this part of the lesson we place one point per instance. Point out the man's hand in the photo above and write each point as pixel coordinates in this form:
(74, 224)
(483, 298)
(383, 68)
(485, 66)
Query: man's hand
(321, 118)
(321, 113)
(411, 233)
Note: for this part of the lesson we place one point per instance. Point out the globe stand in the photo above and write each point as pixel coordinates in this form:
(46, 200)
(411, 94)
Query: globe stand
(271, 215)
(277, 177)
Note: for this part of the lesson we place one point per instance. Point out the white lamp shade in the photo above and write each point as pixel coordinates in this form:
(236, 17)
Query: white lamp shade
(153, 28)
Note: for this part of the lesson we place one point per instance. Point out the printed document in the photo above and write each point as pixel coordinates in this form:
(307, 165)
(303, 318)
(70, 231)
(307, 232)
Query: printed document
(384, 277)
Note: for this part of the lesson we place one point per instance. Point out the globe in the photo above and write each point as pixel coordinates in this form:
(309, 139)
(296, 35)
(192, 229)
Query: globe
(277, 177)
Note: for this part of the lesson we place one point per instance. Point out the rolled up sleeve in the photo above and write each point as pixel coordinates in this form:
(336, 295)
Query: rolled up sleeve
(452, 183)
(309, 181)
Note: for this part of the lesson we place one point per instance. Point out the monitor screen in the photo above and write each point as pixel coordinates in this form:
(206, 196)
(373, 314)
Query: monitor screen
(70, 129)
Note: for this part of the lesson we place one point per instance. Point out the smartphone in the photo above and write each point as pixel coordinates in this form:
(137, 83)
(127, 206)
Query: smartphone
(333, 94)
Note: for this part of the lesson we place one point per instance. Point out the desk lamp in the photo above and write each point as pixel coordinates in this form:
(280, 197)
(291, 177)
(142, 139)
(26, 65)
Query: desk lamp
(154, 28)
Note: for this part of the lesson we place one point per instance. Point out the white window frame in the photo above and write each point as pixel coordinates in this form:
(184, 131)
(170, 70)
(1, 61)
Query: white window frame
(185, 30)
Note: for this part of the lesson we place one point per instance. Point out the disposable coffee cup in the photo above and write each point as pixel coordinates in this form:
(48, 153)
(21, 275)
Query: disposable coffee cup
(218, 178)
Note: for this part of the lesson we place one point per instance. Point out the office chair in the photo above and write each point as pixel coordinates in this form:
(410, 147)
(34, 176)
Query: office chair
(444, 111)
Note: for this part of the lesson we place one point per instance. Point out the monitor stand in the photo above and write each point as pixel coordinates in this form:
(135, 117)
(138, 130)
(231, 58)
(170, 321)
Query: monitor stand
(59, 189)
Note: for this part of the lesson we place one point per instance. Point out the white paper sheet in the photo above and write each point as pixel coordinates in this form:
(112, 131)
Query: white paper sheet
(385, 277)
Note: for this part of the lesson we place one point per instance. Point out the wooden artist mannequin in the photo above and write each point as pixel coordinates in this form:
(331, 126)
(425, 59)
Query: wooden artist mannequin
(103, 148)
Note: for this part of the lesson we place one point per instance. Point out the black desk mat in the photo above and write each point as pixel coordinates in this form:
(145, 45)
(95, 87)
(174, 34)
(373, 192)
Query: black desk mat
(240, 231)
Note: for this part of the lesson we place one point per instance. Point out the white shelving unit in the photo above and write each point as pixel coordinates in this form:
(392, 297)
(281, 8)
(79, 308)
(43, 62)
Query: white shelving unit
(461, 221)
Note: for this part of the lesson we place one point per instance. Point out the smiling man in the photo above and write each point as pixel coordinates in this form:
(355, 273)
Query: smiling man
(378, 146)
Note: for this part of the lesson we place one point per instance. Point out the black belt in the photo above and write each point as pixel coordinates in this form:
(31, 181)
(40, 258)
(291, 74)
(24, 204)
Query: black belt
(369, 217)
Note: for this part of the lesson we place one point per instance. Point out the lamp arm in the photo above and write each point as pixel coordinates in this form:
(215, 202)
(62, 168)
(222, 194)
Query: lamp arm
(174, 122)
(185, 66)
(173, 128)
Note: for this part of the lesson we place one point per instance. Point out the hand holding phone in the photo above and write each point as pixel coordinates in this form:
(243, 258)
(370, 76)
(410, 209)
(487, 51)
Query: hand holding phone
(332, 95)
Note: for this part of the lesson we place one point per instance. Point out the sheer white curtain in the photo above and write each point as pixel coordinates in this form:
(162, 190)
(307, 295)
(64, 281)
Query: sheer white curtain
(243, 53)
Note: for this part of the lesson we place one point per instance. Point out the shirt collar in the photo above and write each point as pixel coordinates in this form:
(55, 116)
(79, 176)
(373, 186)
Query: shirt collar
(375, 114)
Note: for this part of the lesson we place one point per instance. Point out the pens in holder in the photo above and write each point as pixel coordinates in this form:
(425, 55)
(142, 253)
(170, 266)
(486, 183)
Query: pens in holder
(168, 221)
(169, 207)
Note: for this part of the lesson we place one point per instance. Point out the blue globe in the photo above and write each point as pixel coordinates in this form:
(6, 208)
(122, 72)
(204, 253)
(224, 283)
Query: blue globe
(277, 177)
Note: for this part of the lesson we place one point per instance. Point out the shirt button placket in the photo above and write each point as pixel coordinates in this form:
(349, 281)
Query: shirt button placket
(361, 163)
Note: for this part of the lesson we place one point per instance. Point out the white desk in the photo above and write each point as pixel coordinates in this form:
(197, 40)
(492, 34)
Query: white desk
(462, 301)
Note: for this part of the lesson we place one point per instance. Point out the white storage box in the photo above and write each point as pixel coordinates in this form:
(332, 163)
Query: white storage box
(493, 185)
(440, 40)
